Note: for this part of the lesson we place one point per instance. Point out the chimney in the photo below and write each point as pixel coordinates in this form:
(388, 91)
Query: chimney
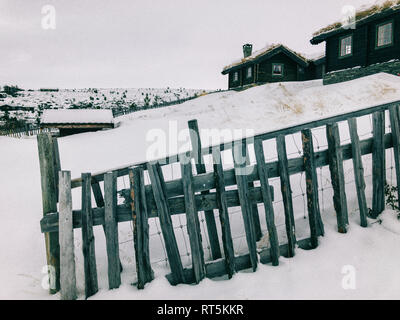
(247, 50)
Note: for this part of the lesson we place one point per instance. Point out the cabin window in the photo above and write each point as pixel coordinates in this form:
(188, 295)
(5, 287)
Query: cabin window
(384, 34)
(277, 69)
(235, 76)
(249, 72)
(346, 46)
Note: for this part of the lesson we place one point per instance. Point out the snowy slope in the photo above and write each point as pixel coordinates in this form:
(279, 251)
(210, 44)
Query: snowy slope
(373, 252)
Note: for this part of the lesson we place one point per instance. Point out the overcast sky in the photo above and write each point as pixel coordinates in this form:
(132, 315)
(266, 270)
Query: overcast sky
(149, 43)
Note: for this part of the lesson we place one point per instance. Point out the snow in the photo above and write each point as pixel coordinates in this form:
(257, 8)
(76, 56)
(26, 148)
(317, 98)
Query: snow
(77, 116)
(319, 274)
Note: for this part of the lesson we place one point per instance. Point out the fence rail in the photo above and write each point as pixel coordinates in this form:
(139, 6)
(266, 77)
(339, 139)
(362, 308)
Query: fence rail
(208, 191)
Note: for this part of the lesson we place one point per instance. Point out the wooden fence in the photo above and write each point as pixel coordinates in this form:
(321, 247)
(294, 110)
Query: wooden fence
(207, 191)
(23, 132)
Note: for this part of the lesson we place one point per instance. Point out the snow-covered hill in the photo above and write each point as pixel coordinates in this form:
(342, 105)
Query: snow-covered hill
(371, 253)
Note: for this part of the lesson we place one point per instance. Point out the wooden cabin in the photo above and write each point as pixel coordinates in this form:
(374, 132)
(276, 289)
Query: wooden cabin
(275, 63)
(75, 121)
(370, 45)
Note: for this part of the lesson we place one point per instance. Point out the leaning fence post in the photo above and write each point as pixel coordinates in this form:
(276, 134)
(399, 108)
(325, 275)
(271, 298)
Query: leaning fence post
(239, 158)
(192, 219)
(66, 233)
(88, 246)
(337, 176)
(314, 216)
(379, 164)
(111, 230)
(224, 213)
(49, 202)
(140, 227)
(395, 128)
(161, 199)
(267, 199)
(358, 171)
(286, 194)
(201, 168)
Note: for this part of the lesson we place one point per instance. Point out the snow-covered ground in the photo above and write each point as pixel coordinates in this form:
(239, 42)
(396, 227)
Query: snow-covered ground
(94, 98)
(371, 254)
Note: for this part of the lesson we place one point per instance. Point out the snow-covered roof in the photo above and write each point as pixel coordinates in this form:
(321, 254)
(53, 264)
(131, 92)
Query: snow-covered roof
(77, 116)
(263, 52)
(362, 15)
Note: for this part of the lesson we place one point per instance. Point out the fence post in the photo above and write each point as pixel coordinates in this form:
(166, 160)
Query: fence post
(192, 219)
(224, 214)
(161, 199)
(267, 198)
(358, 171)
(239, 158)
(48, 172)
(67, 256)
(379, 164)
(337, 176)
(395, 128)
(111, 230)
(88, 247)
(140, 227)
(200, 169)
(286, 194)
(314, 216)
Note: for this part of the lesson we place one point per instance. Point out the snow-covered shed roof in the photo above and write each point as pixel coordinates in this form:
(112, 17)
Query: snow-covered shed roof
(264, 53)
(364, 15)
(77, 116)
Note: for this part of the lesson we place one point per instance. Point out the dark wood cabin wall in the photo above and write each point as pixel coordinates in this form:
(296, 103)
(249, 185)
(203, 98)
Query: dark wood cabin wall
(265, 69)
(387, 53)
(365, 52)
(358, 57)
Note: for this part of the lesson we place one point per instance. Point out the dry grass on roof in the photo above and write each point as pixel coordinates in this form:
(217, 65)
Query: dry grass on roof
(361, 14)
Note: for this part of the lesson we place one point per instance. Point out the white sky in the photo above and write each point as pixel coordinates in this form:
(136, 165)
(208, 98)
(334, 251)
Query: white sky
(149, 43)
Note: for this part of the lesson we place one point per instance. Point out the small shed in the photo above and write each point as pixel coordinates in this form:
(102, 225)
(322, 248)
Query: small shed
(77, 121)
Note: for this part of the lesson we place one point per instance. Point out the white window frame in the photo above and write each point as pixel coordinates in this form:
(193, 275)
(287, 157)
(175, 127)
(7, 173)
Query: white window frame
(249, 72)
(382, 39)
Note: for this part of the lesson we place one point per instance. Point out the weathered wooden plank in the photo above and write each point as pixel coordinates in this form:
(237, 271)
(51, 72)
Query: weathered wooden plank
(254, 207)
(269, 208)
(111, 230)
(66, 234)
(57, 161)
(160, 196)
(227, 241)
(47, 161)
(88, 247)
(395, 128)
(286, 194)
(201, 169)
(239, 157)
(140, 227)
(358, 171)
(312, 187)
(192, 220)
(98, 195)
(379, 164)
(337, 176)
